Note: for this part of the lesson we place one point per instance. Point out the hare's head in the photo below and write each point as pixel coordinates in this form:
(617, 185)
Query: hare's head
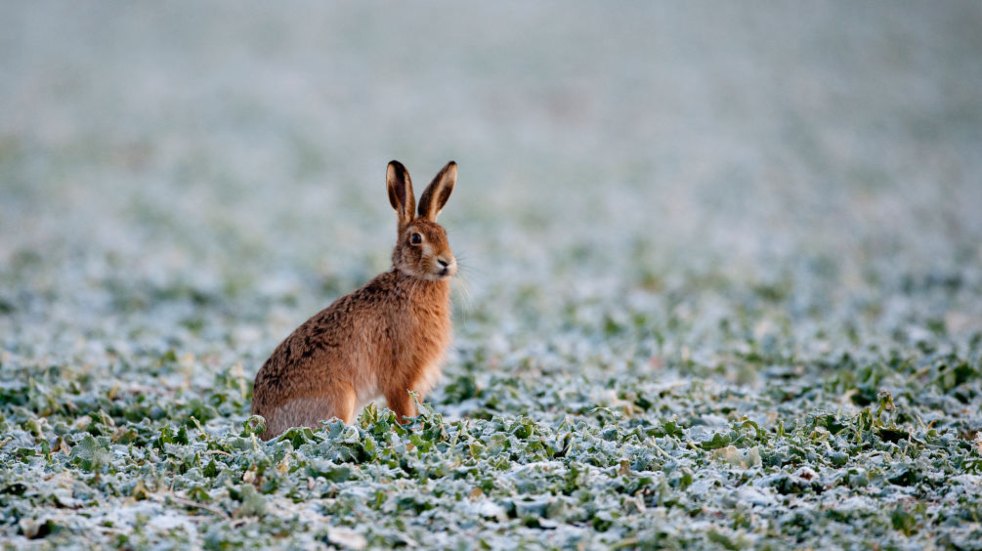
(422, 249)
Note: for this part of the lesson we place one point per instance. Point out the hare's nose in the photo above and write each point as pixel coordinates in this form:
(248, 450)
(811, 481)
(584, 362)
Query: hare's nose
(443, 263)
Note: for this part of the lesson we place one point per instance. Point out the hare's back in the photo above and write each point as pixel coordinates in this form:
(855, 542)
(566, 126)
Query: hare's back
(335, 346)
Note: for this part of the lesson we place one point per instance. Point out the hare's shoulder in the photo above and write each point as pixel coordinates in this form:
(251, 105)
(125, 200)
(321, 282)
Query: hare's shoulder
(381, 290)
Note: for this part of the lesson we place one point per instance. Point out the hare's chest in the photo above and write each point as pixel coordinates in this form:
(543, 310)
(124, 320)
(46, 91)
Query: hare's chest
(429, 376)
(432, 355)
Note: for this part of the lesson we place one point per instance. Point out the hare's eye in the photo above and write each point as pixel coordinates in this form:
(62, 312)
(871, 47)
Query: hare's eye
(415, 239)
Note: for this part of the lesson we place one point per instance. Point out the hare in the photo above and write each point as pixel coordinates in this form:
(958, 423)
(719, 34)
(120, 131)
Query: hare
(385, 339)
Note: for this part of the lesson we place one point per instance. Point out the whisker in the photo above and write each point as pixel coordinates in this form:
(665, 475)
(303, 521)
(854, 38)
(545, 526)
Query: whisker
(463, 293)
(463, 287)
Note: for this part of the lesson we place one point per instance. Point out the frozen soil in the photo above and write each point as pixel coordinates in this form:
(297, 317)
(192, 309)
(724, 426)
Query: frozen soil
(722, 272)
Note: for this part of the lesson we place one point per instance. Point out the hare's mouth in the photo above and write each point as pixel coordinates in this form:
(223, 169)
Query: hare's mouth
(446, 267)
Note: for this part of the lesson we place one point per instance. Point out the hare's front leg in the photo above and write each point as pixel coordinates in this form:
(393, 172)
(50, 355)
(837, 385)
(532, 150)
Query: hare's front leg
(401, 403)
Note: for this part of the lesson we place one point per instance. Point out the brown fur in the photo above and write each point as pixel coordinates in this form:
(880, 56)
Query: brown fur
(385, 339)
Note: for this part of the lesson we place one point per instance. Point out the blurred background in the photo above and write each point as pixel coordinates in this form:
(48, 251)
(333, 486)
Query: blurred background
(234, 153)
(712, 218)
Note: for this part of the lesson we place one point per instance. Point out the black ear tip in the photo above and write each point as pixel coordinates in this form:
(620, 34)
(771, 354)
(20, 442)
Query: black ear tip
(397, 169)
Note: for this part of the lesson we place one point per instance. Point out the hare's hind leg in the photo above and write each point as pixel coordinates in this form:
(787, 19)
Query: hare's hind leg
(309, 411)
(340, 403)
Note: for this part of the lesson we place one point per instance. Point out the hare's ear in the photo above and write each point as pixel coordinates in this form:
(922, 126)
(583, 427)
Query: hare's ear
(400, 187)
(437, 193)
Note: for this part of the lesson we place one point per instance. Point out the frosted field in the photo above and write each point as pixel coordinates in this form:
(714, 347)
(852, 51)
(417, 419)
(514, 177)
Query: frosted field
(722, 272)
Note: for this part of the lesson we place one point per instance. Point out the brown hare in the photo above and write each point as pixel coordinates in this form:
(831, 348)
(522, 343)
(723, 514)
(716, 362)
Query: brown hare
(385, 339)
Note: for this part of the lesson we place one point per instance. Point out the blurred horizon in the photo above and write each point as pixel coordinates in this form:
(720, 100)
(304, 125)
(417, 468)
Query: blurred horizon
(240, 132)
